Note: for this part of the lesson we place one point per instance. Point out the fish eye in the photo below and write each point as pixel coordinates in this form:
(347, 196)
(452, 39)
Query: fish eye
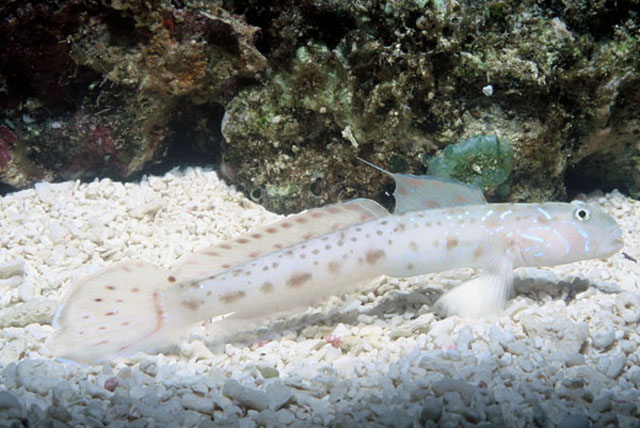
(582, 214)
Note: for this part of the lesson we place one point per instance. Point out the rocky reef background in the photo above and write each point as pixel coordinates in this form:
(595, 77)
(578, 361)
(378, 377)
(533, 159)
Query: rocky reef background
(534, 100)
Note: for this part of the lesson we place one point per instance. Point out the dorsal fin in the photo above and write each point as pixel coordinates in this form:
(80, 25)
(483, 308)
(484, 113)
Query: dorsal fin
(276, 236)
(421, 192)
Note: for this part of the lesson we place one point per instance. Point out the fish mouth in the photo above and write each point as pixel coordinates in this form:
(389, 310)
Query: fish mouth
(613, 246)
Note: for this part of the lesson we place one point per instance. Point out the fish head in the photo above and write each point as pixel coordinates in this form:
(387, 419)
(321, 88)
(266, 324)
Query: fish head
(559, 233)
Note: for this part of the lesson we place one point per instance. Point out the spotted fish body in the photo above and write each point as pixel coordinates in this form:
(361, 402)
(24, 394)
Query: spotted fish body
(328, 251)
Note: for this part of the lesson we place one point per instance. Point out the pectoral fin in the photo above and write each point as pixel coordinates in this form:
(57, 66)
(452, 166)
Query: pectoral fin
(482, 295)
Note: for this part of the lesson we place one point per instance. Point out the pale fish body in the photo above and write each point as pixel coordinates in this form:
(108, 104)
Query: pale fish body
(438, 225)
(496, 237)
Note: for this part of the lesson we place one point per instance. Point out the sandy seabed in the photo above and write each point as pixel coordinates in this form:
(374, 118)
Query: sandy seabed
(563, 353)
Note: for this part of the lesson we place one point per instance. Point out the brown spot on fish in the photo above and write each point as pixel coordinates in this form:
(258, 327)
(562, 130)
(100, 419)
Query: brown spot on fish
(333, 267)
(265, 268)
(542, 219)
(102, 342)
(307, 235)
(272, 230)
(477, 253)
(379, 232)
(303, 256)
(316, 214)
(297, 279)
(275, 265)
(125, 323)
(254, 254)
(413, 246)
(286, 225)
(190, 304)
(119, 300)
(97, 300)
(225, 266)
(278, 246)
(410, 266)
(336, 226)
(110, 314)
(316, 251)
(452, 243)
(400, 227)
(327, 247)
(383, 222)
(232, 297)
(461, 199)
(492, 221)
(110, 287)
(364, 217)
(126, 268)
(256, 236)
(333, 210)
(225, 246)
(135, 290)
(171, 279)
(373, 256)
(242, 241)
(431, 203)
(267, 287)
(302, 220)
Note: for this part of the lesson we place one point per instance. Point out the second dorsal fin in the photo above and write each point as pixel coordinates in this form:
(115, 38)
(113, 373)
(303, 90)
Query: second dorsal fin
(421, 192)
(276, 236)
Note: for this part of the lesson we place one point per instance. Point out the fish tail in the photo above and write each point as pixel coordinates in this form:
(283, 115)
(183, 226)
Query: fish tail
(119, 310)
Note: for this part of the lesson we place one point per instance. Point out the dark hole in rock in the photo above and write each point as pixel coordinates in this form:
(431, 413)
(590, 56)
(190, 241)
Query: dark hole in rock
(316, 187)
(256, 194)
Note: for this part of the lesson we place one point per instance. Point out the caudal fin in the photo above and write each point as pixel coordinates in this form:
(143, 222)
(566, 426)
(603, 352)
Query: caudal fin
(115, 312)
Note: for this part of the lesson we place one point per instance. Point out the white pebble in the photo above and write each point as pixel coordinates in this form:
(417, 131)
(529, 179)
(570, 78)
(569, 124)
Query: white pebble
(45, 193)
(616, 366)
(13, 268)
(278, 394)
(8, 401)
(603, 338)
(199, 404)
(628, 306)
(57, 232)
(248, 397)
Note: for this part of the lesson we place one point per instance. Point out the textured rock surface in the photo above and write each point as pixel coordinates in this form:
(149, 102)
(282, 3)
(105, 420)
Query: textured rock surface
(107, 88)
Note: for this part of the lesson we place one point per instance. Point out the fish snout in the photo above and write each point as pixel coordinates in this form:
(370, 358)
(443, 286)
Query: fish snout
(612, 244)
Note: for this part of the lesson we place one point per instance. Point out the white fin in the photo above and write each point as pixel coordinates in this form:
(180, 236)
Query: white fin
(482, 295)
(274, 237)
(115, 312)
(422, 192)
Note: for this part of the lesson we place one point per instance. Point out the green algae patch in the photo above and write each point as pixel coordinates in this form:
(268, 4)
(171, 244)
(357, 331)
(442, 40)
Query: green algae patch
(484, 161)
